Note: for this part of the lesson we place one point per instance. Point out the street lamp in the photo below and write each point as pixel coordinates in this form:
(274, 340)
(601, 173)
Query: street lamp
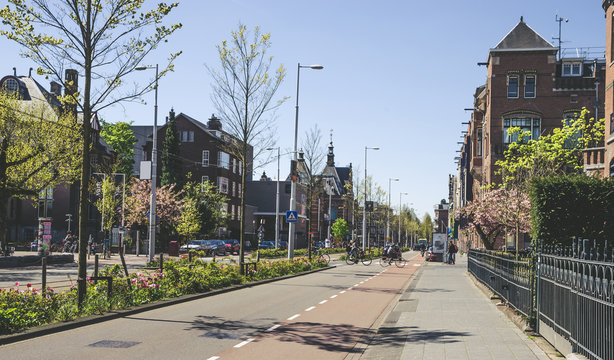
(364, 213)
(294, 159)
(276, 200)
(390, 180)
(401, 209)
(154, 168)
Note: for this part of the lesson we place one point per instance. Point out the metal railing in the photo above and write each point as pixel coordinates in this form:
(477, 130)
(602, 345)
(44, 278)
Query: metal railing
(506, 276)
(577, 297)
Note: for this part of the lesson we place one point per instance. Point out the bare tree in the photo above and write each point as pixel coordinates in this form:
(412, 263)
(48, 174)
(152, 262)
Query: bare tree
(314, 159)
(104, 40)
(244, 88)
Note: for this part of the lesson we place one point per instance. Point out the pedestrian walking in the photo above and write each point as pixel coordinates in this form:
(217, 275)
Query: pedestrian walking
(452, 249)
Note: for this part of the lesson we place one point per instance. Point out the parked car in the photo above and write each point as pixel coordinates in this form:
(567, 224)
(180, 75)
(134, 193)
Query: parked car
(320, 244)
(418, 244)
(196, 245)
(217, 247)
(232, 246)
(266, 245)
(283, 245)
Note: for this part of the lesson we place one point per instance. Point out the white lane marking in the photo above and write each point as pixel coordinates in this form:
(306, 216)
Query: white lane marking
(294, 317)
(334, 296)
(272, 328)
(310, 308)
(417, 264)
(244, 342)
(213, 358)
(355, 285)
(342, 292)
(350, 288)
(322, 302)
(362, 282)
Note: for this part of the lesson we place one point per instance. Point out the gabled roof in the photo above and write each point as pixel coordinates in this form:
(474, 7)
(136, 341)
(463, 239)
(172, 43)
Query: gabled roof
(523, 37)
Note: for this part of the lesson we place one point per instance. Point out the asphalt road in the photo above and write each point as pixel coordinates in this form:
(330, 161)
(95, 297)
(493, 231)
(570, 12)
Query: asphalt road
(327, 314)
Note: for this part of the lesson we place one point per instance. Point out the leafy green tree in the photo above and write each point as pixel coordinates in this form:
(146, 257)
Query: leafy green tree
(426, 227)
(204, 203)
(340, 228)
(105, 41)
(121, 138)
(171, 165)
(558, 153)
(108, 202)
(243, 93)
(37, 151)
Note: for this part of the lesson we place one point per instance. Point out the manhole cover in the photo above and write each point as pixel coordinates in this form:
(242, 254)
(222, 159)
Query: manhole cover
(114, 344)
(220, 335)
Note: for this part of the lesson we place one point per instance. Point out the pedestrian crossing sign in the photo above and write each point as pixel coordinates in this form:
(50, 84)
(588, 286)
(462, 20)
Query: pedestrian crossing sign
(291, 216)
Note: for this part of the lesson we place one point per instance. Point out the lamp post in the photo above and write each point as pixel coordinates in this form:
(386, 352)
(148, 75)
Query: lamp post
(401, 209)
(292, 179)
(276, 201)
(330, 209)
(154, 169)
(364, 213)
(390, 180)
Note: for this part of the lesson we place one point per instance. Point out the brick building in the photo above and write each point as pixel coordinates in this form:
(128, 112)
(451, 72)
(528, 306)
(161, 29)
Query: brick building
(608, 171)
(527, 86)
(203, 153)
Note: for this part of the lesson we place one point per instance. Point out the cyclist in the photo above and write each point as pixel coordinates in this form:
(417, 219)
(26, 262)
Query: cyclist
(353, 250)
(422, 249)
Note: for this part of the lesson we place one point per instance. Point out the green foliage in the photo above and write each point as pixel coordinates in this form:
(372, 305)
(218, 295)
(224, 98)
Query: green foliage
(121, 138)
(202, 213)
(171, 164)
(21, 309)
(108, 203)
(558, 153)
(571, 206)
(340, 228)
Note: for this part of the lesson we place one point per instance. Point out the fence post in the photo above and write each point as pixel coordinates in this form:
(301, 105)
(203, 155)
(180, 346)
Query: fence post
(44, 280)
(161, 263)
(537, 287)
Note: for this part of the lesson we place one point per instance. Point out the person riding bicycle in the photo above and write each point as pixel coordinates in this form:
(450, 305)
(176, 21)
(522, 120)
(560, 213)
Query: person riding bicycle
(422, 249)
(353, 250)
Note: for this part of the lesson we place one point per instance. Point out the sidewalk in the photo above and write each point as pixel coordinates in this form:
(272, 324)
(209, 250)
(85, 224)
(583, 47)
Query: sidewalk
(443, 315)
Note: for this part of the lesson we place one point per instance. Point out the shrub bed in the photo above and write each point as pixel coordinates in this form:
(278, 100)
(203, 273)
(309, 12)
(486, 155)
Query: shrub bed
(25, 308)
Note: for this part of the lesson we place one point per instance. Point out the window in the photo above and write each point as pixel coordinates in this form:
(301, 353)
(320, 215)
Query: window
(234, 165)
(232, 212)
(573, 140)
(223, 160)
(234, 188)
(205, 158)
(187, 136)
(224, 209)
(572, 69)
(512, 87)
(611, 123)
(240, 168)
(239, 189)
(222, 184)
(479, 143)
(11, 85)
(529, 86)
(525, 123)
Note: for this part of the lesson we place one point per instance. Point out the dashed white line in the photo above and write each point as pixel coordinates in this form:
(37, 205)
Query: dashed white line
(244, 342)
(213, 358)
(350, 288)
(294, 317)
(310, 308)
(272, 328)
(355, 285)
(334, 296)
(342, 292)
(322, 302)
(417, 264)
(362, 282)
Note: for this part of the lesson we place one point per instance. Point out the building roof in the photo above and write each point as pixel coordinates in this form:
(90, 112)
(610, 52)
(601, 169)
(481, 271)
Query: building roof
(523, 37)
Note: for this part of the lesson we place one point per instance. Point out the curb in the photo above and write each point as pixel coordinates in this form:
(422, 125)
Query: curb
(94, 319)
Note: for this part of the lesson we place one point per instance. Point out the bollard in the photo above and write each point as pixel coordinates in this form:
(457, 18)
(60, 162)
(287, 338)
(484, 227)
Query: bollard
(121, 256)
(161, 263)
(96, 265)
(190, 257)
(44, 282)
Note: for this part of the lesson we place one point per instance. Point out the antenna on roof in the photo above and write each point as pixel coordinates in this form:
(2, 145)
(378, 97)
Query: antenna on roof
(559, 20)
(15, 71)
(30, 73)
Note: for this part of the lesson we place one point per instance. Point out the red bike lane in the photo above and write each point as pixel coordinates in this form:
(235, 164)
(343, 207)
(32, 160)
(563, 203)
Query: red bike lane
(331, 328)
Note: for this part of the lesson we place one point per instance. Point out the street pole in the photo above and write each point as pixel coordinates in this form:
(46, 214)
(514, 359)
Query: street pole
(390, 180)
(330, 209)
(154, 170)
(364, 213)
(277, 201)
(400, 210)
(292, 225)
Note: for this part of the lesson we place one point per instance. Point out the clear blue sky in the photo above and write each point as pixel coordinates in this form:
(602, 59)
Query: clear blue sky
(397, 74)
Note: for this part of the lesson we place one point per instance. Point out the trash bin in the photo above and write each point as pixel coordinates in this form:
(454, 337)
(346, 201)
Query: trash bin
(173, 248)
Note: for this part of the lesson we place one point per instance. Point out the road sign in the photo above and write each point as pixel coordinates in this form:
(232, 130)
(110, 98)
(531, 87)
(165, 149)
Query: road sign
(261, 229)
(291, 216)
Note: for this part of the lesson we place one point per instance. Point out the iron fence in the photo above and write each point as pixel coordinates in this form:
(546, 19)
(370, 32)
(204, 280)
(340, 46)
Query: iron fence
(510, 278)
(576, 297)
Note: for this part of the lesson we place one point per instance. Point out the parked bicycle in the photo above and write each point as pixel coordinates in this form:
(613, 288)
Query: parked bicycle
(320, 255)
(356, 255)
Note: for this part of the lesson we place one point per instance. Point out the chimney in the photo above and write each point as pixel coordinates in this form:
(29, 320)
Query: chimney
(30, 73)
(15, 71)
(56, 89)
(71, 82)
(214, 123)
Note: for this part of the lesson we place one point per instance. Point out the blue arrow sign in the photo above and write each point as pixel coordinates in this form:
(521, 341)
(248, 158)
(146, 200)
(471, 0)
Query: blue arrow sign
(291, 216)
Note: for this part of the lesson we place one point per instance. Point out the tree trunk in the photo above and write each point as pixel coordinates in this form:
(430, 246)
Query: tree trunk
(242, 217)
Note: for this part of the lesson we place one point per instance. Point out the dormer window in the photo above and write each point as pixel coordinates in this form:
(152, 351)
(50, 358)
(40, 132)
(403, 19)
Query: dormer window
(572, 69)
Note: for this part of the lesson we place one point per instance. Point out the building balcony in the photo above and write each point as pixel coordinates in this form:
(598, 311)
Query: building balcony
(594, 159)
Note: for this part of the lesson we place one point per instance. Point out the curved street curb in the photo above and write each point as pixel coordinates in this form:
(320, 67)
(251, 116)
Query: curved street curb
(94, 319)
